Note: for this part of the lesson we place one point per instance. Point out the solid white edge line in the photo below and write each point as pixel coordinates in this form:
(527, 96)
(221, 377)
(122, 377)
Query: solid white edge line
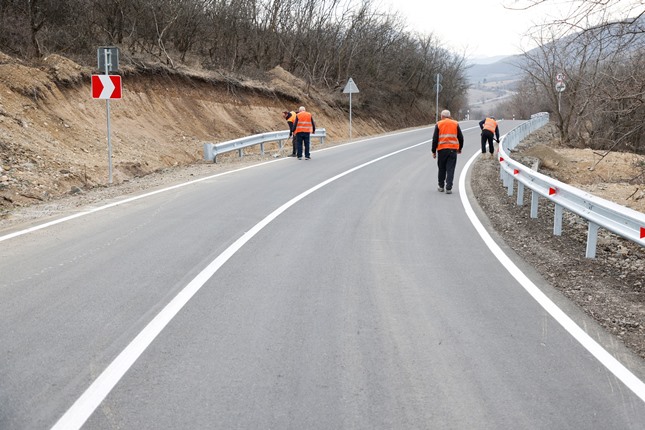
(604, 357)
(87, 403)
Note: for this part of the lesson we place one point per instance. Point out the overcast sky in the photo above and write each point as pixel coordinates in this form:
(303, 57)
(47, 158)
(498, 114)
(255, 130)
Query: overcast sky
(481, 28)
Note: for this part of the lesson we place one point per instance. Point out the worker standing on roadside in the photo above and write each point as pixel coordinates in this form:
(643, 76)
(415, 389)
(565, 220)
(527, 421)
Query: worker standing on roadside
(490, 130)
(291, 117)
(303, 126)
(447, 142)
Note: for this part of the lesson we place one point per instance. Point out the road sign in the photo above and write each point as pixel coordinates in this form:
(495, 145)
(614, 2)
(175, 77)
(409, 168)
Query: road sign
(108, 59)
(560, 86)
(438, 88)
(559, 77)
(350, 87)
(106, 86)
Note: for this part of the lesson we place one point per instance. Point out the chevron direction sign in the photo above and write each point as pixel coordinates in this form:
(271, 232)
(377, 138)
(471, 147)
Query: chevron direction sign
(106, 86)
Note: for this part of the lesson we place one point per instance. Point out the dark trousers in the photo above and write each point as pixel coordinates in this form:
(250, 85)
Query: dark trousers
(303, 138)
(446, 161)
(293, 144)
(488, 136)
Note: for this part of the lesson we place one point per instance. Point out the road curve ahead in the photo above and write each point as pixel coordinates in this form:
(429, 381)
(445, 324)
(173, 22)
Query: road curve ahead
(339, 292)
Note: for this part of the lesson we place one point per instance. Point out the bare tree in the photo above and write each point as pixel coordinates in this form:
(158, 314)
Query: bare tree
(600, 65)
(36, 22)
(321, 41)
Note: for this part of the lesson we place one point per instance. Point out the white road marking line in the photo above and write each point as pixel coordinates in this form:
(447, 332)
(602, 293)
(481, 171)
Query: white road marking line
(87, 403)
(604, 357)
(163, 190)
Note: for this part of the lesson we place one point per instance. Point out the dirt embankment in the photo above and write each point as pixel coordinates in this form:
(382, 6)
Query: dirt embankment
(614, 176)
(53, 135)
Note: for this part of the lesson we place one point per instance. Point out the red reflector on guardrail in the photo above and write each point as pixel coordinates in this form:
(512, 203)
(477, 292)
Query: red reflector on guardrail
(516, 172)
(642, 232)
(551, 191)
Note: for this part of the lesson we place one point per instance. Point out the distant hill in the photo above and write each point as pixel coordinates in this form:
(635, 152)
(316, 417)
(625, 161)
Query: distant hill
(492, 83)
(504, 69)
(494, 80)
(487, 60)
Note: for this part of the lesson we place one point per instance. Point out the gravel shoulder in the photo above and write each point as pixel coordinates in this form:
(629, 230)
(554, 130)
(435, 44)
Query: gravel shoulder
(610, 288)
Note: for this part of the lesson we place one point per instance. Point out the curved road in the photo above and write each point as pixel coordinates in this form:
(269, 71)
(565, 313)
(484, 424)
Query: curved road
(343, 292)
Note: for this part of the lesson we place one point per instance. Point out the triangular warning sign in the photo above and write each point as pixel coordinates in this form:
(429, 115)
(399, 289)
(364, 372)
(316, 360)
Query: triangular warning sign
(351, 87)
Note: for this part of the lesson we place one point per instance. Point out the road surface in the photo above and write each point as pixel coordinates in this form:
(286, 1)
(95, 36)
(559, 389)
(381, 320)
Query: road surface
(342, 292)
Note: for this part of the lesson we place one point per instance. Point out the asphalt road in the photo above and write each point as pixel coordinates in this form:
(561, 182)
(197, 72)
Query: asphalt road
(342, 292)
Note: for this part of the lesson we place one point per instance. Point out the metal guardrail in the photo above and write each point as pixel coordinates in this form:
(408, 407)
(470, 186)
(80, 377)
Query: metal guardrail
(623, 221)
(212, 150)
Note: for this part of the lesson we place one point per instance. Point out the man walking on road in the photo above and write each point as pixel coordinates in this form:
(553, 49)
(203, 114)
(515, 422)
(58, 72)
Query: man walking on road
(447, 141)
(303, 126)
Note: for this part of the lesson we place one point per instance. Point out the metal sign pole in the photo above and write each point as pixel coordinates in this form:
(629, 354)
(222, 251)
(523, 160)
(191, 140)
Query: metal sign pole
(349, 89)
(560, 87)
(107, 106)
(350, 117)
(437, 87)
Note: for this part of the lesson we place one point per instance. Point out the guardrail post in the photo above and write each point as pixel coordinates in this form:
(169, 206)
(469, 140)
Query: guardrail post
(592, 240)
(520, 193)
(534, 204)
(262, 149)
(506, 178)
(240, 152)
(557, 220)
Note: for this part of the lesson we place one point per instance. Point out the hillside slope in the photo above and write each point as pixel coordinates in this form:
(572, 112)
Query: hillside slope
(53, 135)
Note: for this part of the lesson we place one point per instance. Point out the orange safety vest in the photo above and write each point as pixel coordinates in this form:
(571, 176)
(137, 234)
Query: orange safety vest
(490, 125)
(448, 134)
(305, 124)
(292, 117)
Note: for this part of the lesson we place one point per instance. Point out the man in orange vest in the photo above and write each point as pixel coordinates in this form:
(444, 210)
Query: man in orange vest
(291, 117)
(490, 130)
(303, 126)
(447, 141)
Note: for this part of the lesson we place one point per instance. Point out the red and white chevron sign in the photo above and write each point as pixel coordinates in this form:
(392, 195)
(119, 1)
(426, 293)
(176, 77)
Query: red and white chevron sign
(106, 86)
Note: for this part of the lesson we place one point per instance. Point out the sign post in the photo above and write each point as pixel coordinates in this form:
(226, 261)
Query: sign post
(349, 89)
(107, 87)
(437, 87)
(560, 86)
